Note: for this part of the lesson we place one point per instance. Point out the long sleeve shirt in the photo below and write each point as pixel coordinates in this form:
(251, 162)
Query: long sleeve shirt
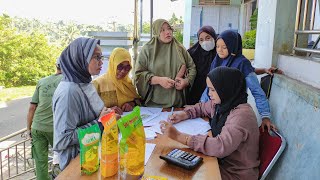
(237, 144)
(70, 112)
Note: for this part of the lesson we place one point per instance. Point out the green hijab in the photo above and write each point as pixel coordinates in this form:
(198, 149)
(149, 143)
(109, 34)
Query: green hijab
(165, 60)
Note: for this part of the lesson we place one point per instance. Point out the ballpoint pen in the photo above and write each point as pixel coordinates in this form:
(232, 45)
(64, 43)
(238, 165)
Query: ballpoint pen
(171, 113)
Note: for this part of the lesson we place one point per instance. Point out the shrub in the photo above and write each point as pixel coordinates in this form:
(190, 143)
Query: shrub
(249, 40)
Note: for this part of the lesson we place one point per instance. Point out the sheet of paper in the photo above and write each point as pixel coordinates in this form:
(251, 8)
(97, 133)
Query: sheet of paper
(149, 148)
(162, 116)
(149, 133)
(193, 126)
(147, 114)
(190, 126)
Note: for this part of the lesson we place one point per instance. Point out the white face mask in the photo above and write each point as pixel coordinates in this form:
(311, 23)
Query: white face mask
(208, 45)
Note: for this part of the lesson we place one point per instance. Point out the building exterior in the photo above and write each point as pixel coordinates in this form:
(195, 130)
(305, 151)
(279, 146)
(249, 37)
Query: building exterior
(282, 40)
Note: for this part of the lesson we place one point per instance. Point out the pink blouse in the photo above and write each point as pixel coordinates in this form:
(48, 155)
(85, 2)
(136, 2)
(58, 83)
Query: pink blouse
(237, 146)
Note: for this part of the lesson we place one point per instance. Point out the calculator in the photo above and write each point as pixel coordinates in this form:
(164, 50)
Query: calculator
(182, 159)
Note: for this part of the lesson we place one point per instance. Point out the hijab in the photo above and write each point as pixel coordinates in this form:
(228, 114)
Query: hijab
(125, 90)
(235, 58)
(230, 85)
(75, 59)
(165, 60)
(202, 60)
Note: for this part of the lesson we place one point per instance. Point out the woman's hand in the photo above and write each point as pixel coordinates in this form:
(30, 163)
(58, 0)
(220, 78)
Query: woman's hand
(169, 130)
(104, 111)
(126, 107)
(266, 123)
(177, 117)
(117, 110)
(165, 82)
(181, 83)
(272, 70)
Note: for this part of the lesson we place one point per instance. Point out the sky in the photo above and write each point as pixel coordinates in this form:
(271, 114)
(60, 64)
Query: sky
(89, 12)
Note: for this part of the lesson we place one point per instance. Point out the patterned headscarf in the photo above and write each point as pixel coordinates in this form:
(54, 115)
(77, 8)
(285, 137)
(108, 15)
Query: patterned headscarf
(75, 59)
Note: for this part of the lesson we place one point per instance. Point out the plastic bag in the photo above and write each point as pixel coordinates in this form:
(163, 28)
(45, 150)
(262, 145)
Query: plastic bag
(132, 145)
(109, 146)
(89, 142)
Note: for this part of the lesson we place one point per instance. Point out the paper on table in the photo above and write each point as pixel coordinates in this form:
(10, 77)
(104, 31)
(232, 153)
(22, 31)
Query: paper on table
(190, 126)
(149, 148)
(147, 114)
(162, 116)
(149, 133)
(193, 126)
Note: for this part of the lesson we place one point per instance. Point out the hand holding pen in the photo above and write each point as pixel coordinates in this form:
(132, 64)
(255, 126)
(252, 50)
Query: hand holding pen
(177, 117)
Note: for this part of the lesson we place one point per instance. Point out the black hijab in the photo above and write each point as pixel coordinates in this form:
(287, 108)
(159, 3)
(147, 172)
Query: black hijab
(235, 58)
(231, 88)
(202, 60)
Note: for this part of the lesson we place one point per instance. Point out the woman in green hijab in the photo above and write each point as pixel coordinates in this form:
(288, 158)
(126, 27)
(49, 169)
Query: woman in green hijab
(164, 70)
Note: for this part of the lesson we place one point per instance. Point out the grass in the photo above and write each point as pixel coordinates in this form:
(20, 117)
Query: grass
(7, 94)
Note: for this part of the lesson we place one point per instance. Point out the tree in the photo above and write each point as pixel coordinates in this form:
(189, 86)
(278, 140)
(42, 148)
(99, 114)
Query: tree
(24, 57)
(146, 27)
(254, 19)
(177, 24)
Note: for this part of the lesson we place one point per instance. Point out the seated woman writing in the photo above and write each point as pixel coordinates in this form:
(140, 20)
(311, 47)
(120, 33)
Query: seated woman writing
(115, 87)
(235, 133)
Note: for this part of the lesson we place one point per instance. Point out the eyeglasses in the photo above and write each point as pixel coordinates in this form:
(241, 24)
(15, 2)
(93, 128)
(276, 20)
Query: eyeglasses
(98, 57)
(121, 67)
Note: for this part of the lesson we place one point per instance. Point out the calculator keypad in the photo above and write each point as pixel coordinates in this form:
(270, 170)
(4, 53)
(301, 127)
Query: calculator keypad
(182, 159)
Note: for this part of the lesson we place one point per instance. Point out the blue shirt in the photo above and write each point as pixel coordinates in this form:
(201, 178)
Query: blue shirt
(256, 91)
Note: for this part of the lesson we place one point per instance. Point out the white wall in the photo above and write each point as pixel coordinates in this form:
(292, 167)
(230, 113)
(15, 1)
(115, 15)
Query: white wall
(187, 23)
(218, 17)
(265, 33)
(301, 68)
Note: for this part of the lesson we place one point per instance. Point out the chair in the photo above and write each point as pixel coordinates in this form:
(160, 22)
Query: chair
(271, 145)
(265, 83)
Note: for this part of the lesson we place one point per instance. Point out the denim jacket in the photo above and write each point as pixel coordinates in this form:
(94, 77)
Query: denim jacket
(256, 91)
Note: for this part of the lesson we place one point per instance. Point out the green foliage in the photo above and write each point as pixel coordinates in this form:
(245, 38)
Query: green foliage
(24, 58)
(175, 22)
(59, 33)
(29, 48)
(254, 19)
(179, 36)
(146, 27)
(249, 40)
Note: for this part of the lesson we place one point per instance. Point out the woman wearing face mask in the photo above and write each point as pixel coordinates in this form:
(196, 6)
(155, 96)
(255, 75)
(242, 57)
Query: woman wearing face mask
(229, 53)
(202, 53)
(115, 87)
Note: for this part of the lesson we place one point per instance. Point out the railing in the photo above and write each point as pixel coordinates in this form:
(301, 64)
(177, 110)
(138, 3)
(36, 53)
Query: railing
(214, 2)
(16, 160)
(301, 29)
